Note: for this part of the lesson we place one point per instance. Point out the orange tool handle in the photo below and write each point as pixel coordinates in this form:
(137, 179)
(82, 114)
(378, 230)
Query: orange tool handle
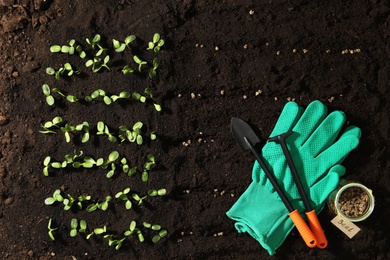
(315, 226)
(303, 229)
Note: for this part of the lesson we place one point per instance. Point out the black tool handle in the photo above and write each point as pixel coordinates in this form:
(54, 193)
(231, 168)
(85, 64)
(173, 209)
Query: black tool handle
(295, 175)
(270, 176)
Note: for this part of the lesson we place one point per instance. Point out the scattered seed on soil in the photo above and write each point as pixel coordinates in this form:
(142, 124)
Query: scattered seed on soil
(258, 92)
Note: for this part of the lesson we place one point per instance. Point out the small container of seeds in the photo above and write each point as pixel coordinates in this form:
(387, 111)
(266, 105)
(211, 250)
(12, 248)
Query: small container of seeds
(352, 201)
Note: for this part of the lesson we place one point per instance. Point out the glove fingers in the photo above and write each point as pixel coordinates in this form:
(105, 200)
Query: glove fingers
(287, 119)
(311, 118)
(325, 134)
(353, 130)
(320, 191)
(337, 152)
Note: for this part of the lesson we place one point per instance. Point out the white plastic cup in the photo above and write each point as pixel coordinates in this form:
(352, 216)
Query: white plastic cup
(334, 197)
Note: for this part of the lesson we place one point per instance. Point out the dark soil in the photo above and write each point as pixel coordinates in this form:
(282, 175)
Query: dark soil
(217, 55)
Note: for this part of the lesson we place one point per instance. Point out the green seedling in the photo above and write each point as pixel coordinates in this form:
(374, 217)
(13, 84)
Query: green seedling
(115, 242)
(104, 204)
(51, 229)
(139, 62)
(134, 135)
(154, 227)
(160, 192)
(119, 46)
(53, 123)
(84, 127)
(147, 167)
(70, 70)
(69, 49)
(49, 98)
(137, 198)
(59, 165)
(97, 231)
(57, 197)
(70, 98)
(160, 235)
(70, 158)
(156, 43)
(127, 70)
(95, 40)
(107, 100)
(97, 63)
(64, 48)
(95, 94)
(95, 43)
(46, 165)
(138, 97)
(58, 73)
(150, 163)
(140, 236)
(83, 226)
(81, 199)
(99, 205)
(102, 129)
(131, 229)
(89, 162)
(122, 95)
(68, 202)
(134, 230)
(112, 157)
(149, 92)
(126, 168)
(80, 51)
(73, 227)
(123, 196)
(92, 207)
(100, 51)
(66, 130)
(111, 172)
(153, 70)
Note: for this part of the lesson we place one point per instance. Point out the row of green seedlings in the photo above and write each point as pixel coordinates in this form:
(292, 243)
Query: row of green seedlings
(70, 201)
(97, 63)
(87, 162)
(82, 227)
(133, 134)
(108, 100)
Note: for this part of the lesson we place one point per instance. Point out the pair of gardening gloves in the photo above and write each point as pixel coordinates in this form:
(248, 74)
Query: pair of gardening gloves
(316, 152)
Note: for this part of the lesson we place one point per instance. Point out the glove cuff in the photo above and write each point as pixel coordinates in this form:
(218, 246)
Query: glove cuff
(262, 215)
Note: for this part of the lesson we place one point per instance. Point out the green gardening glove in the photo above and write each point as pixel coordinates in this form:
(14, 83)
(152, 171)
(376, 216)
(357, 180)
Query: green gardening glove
(317, 157)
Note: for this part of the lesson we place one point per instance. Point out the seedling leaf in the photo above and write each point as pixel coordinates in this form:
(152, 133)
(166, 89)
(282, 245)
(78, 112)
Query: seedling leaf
(50, 201)
(55, 48)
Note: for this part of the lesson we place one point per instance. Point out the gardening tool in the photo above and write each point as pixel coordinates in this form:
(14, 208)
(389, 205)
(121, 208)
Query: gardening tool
(314, 223)
(247, 139)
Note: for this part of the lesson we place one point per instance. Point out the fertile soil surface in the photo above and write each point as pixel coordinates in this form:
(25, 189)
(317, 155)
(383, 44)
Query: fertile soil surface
(220, 59)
